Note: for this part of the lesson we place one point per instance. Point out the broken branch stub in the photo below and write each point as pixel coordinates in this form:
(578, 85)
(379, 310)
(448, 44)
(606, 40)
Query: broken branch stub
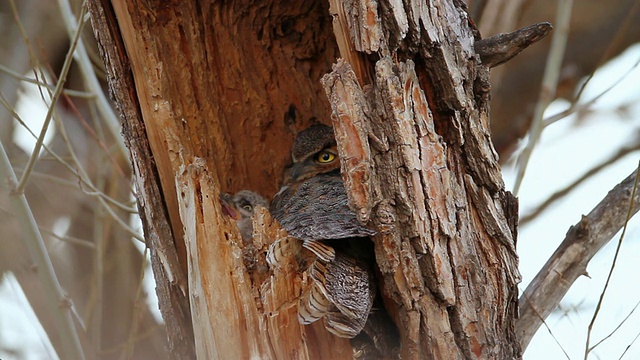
(499, 49)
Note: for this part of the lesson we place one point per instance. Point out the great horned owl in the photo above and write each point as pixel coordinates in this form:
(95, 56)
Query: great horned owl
(312, 203)
(240, 207)
(312, 206)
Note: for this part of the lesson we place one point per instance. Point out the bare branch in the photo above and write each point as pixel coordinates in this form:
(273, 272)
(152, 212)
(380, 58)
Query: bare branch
(54, 99)
(570, 260)
(499, 49)
(613, 265)
(58, 304)
(89, 75)
(577, 107)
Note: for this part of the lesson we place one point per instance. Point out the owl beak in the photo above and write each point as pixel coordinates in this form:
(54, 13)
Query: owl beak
(296, 171)
(227, 208)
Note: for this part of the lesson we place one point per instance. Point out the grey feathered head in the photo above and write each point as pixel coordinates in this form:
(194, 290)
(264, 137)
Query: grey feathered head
(240, 206)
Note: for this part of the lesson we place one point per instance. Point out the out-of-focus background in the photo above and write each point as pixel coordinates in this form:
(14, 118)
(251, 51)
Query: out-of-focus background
(81, 194)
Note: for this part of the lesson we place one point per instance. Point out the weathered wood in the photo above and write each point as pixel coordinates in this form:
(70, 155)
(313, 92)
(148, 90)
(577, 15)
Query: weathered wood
(169, 274)
(213, 81)
(499, 49)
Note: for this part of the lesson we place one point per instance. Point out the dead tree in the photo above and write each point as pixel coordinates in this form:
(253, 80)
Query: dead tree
(211, 94)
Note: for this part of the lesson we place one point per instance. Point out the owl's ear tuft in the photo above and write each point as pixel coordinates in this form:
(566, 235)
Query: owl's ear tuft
(311, 140)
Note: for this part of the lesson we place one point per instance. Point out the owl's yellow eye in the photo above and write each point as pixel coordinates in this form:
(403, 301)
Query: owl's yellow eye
(249, 208)
(325, 157)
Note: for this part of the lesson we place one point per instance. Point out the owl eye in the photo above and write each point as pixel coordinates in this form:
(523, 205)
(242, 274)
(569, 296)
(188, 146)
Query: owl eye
(248, 207)
(325, 157)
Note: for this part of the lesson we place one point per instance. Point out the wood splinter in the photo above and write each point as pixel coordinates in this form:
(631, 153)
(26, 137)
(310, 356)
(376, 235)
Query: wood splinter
(499, 49)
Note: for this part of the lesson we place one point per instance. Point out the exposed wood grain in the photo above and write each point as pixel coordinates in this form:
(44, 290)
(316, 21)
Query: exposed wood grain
(209, 80)
(237, 305)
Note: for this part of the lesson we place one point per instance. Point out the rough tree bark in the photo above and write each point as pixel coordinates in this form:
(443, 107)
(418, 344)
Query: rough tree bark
(211, 93)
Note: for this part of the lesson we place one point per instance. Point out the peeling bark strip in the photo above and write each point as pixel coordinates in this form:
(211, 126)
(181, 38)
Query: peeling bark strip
(350, 131)
(171, 282)
(446, 242)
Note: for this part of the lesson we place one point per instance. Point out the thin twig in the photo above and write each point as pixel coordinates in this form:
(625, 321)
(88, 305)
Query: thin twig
(136, 309)
(567, 189)
(54, 99)
(556, 341)
(69, 239)
(59, 305)
(544, 323)
(89, 75)
(617, 327)
(83, 175)
(69, 92)
(83, 180)
(103, 198)
(587, 349)
(25, 38)
(547, 89)
(93, 134)
(630, 344)
(577, 107)
(99, 234)
(124, 225)
(613, 44)
(23, 302)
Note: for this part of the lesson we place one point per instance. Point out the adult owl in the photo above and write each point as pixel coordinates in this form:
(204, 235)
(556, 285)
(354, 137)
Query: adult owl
(312, 206)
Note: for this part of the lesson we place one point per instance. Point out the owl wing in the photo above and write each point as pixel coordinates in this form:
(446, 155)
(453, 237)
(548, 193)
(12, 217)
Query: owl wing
(347, 284)
(317, 209)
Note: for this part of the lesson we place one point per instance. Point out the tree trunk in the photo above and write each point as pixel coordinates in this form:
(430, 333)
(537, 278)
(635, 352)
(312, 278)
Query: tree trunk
(211, 95)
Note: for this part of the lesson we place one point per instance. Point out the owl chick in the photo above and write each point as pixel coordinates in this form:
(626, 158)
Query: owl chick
(240, 207)
(312, 206)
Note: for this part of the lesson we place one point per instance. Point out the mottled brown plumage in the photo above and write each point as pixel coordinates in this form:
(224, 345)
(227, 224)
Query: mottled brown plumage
(312, 206)
(349, 285)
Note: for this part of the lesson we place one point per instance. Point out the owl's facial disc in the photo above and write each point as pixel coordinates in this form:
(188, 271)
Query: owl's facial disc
(245, 208)
(323, 161)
